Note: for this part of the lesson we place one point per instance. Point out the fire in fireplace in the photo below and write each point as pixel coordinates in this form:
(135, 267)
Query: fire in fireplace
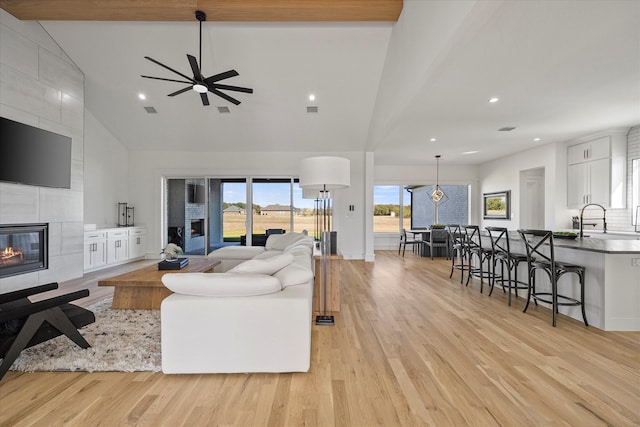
(197, 227)
(23, 248)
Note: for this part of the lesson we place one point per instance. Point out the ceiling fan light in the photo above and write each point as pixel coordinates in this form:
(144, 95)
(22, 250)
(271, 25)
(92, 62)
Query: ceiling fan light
(200, 88)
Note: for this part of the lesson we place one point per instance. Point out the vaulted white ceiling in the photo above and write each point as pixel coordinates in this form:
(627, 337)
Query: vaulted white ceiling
(562, 69)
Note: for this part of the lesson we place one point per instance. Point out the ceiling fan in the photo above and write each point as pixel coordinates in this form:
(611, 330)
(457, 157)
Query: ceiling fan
(198, 83)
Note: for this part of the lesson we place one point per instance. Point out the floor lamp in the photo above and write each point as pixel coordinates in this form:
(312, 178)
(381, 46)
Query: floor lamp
(325, 174)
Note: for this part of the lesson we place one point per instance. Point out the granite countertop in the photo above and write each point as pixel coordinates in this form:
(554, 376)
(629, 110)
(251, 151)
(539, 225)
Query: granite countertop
(610, 245)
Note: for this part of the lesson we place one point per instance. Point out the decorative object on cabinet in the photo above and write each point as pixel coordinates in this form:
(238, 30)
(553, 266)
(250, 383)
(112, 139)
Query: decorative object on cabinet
(325, 173)
(122, 214)
(130, 216)
(497, 205)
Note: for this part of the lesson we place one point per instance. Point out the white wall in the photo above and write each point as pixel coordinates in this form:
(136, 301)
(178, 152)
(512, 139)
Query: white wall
(504, 174)
(40, 86)
(106, 180)
(147, 170)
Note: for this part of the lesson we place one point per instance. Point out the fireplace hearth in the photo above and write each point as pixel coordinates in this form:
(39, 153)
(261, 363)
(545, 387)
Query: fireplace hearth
(23, 248)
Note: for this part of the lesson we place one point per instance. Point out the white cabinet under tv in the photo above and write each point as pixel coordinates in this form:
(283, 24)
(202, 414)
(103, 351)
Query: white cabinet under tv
(112, 246)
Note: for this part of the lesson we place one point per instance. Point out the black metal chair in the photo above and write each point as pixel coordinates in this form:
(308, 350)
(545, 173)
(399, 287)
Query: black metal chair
(438, 238)
(537, 259)
(404, 242)
(24, 323)
(502, 254)
(482, 254)
(458, 250)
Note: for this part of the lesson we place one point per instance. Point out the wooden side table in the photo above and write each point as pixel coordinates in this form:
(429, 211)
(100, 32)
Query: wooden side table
(334, 263)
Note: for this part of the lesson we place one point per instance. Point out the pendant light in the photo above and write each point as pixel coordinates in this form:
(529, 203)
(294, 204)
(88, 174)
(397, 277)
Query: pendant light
(438, 195)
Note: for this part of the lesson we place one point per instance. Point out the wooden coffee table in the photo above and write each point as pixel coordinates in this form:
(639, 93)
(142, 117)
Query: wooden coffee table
(143, 288)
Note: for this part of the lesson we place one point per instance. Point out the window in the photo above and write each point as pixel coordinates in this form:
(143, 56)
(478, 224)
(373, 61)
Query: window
(410, 206)
(386, 208)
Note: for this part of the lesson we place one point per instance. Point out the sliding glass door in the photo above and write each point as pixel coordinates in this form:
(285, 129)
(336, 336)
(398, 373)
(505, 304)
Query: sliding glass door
(204, 214)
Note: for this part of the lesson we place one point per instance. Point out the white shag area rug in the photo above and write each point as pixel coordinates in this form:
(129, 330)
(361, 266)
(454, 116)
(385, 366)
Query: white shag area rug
(121, 340)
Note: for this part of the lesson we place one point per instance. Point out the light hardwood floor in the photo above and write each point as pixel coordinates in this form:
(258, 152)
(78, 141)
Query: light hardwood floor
(410, 347)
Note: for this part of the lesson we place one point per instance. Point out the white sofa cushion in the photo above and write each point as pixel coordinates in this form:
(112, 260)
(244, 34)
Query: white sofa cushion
(263, 266)
(236, 252)
(221, 284)
(294, 274)
(281, 241)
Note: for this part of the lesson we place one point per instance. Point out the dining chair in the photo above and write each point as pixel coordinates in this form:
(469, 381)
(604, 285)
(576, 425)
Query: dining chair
(404, 242)
(438, 238)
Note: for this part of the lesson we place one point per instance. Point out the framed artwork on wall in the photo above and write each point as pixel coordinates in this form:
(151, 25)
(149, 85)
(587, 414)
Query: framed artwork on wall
(497, 205)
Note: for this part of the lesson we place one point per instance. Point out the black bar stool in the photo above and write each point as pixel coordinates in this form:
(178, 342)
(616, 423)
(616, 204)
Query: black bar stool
(537, 260)
(457, 250)
(502, 253)
(483, 254)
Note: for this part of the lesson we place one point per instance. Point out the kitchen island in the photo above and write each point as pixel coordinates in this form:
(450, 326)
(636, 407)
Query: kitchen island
(612, 279)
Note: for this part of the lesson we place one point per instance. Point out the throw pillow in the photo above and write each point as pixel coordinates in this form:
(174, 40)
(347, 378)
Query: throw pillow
(263, 266)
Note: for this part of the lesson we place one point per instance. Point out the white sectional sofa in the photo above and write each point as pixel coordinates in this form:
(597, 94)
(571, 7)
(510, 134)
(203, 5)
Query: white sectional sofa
(252, 316)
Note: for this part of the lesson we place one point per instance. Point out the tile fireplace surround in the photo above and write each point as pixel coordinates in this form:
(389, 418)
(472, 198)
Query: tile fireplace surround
(23, 248)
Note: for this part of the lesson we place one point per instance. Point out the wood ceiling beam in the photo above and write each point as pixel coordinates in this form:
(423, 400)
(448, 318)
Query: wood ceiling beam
(216, 10)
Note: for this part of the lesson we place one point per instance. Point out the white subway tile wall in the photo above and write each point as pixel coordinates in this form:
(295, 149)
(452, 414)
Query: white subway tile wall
(620, 219)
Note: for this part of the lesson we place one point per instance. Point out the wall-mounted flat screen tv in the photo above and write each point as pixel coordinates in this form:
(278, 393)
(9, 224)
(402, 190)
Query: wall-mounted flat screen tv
(33, 156)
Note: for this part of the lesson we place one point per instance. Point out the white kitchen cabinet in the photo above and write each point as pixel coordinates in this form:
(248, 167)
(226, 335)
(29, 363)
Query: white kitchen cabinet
(117, 246)
(596, 172)
(589, 182)
(95, 250)
(137, 243)
(588, 151)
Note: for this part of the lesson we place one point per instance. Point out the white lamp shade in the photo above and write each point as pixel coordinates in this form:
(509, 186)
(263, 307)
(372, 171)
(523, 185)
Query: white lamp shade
(309, 193)
(325, 173)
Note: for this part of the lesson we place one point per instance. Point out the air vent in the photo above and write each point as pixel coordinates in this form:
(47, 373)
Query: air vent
(506, 129)
(312, 109)
(150, 110)
(223, 110)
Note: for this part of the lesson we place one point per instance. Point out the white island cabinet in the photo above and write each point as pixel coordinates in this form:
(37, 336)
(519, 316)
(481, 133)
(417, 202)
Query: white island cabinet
(612, 280)
(106, 247)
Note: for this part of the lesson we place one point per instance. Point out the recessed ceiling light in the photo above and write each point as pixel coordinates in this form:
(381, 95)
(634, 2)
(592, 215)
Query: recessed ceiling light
(142, 96)
(536, 139)
(432, 140)
(470, 152)
(312, 97)
(494, 100)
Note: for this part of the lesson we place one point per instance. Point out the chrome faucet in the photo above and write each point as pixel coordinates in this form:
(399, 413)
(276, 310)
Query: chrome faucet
(604, 218)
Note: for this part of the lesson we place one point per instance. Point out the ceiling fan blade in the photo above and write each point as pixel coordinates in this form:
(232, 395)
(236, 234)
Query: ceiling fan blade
(170, 69)
(224, 96)
(194, 67)
(221, 76)
(178, 92)
(167, 80)
(235, 88)
(205, 99)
